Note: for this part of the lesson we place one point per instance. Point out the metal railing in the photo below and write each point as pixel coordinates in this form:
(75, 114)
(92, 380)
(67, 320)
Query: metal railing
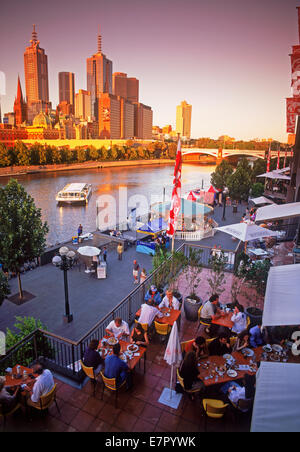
(62, 355)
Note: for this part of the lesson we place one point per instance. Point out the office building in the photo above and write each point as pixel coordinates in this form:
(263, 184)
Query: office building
(183, 119)
(125, 87)
(83, 105)
(143, 120)
(66, 83)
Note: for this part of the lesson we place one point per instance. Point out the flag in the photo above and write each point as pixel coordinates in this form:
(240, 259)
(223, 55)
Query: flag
(285, 156)
(278, 160)
(176, 193)
(268, 160)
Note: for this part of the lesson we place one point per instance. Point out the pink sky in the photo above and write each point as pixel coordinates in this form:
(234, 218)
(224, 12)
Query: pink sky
(229, 59)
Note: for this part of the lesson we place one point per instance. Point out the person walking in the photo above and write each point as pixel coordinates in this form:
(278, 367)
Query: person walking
(104, 254)
(135, 272)
(120, 251)
(143, 275)
(79, 230)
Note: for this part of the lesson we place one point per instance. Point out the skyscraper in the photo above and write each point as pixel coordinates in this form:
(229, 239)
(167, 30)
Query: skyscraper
(125, 87)
(183, 119)
(99, 77)
(20, 107)
(36, 77)
(66, 87)
(83, 105)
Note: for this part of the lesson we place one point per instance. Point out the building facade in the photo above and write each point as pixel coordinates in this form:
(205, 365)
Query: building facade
(66, 83)
(83, 105)
(143, 121)
(99, 78)
(109, 116)
(183, 119)
(125, 87)
(36, 78)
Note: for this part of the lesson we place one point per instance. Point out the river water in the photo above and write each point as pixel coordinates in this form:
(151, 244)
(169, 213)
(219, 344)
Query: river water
(148, 181)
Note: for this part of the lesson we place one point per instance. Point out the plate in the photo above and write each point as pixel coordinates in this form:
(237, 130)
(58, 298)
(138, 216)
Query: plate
(227, 356)
(277, 348)
(112, 341)
(231, 373)
(248, 352)
(103, 351)
(167, 314)
(267, 348)
(132, 348)
(123, 357)
(274, 358)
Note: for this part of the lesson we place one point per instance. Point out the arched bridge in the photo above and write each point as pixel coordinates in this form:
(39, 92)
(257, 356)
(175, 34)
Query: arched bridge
(220, 154)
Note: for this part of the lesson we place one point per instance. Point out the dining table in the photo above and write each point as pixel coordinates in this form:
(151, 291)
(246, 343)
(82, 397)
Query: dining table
(13, 379)
(105, 349)
(212, 369)
(170, 316)
(224, 319)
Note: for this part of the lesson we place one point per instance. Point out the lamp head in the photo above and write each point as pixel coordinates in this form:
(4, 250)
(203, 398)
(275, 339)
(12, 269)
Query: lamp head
(56, 260)
(63, 251)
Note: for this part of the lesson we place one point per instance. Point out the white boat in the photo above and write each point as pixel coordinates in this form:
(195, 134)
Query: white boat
(74, 193)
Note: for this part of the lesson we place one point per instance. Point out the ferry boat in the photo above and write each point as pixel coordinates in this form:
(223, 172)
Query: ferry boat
(74, 193)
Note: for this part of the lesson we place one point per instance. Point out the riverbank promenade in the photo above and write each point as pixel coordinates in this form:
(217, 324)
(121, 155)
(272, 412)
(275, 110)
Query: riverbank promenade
(90, 298)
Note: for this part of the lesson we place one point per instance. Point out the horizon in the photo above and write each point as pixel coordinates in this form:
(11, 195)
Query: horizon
(233, 69)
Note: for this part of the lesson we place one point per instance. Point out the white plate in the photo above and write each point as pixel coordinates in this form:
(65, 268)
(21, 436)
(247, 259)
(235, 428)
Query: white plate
(132, 348)
(248, 352)
(167, 314)
(267, 348)
(227, 356)
(277, 348)
(232, 373)
(112, 341)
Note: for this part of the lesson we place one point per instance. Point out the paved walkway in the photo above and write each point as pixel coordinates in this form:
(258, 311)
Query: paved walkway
(90, 299)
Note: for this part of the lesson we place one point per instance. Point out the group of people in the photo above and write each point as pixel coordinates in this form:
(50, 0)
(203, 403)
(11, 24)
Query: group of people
(43, 385)
(138, 278)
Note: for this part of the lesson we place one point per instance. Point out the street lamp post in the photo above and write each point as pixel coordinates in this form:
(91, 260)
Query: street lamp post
(65, 261)
(224, 196)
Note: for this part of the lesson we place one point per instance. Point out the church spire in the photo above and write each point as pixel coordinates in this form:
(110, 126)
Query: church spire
(19, 90)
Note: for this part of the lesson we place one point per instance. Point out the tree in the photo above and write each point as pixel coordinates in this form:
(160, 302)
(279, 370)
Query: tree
(23, 154)
(221, 175)
(239, 184)
(172, 150)
(94, 154)
(259, 167)
(114, 152)
(22, 232)
(4, 287)
(257, 189)
(4, 156)
(81, 155)
(216, 278)
(192, 272)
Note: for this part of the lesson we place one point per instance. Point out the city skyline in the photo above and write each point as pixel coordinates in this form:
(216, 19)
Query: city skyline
(238, 87)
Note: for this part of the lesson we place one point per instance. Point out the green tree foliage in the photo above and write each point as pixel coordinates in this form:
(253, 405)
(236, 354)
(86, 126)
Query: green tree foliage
(80, 155)
(219, 178)
(114, 152)
(5, 159)
(259, 167)
(216, 278)
(24, 326)
(4, 287)
(23, 154)
(172, 150)
(94, 153)
(22, 232)
(257, 189)
(239, 184)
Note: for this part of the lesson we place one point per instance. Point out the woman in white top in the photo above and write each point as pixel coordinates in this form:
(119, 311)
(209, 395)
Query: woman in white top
(143, 275)
(239, 319)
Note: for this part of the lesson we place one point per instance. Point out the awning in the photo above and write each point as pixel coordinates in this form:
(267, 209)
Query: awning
(212, 189)
(282, 299)
(261, 200)
(153, 227)
(277, 398)
(275, 175)
(276, 212)
(246, 232)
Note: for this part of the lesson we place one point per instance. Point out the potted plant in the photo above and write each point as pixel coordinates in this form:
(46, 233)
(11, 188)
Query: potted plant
(192, 273)
(178, 263)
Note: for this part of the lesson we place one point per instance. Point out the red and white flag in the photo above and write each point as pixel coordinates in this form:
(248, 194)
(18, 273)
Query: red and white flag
(278, 160)
(268, 160)
(176, 193)
(285, 156)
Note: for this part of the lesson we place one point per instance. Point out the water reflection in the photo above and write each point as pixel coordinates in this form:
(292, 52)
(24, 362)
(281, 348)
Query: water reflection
(148, 181)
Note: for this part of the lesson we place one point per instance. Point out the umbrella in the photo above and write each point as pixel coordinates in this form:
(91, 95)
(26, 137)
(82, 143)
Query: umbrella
(187, 208)
(173, 355)
(261, 200)
(89, 251)
(246, 232)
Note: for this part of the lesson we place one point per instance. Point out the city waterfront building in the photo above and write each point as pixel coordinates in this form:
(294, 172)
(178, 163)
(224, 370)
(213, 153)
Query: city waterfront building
(126, 119)
(9, 118)
(109, 116)
(127, 87)
(99, 77)
(36, 78)
(183, 119)
(66, 82)
(20, 107)
(83, 105)
(143, 120)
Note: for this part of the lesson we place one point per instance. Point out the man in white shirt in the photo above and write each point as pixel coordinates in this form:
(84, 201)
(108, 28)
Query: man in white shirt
(43, 384)
(148, 314)
(169, 301)
(118, 328)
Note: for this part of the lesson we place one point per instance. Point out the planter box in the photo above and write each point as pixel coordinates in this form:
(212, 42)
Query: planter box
(191, 308)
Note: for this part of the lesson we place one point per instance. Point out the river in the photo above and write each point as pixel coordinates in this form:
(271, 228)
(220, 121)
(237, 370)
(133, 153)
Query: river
(148, 181)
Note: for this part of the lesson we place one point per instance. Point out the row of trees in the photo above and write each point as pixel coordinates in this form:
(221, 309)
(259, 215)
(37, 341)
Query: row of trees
(210, 143)
(243, 179)
(38, 154)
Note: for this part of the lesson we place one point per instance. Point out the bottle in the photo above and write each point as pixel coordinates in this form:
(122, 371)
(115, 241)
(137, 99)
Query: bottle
(18, 370)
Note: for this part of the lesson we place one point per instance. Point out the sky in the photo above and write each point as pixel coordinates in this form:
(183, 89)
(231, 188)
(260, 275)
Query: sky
(228, 59)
